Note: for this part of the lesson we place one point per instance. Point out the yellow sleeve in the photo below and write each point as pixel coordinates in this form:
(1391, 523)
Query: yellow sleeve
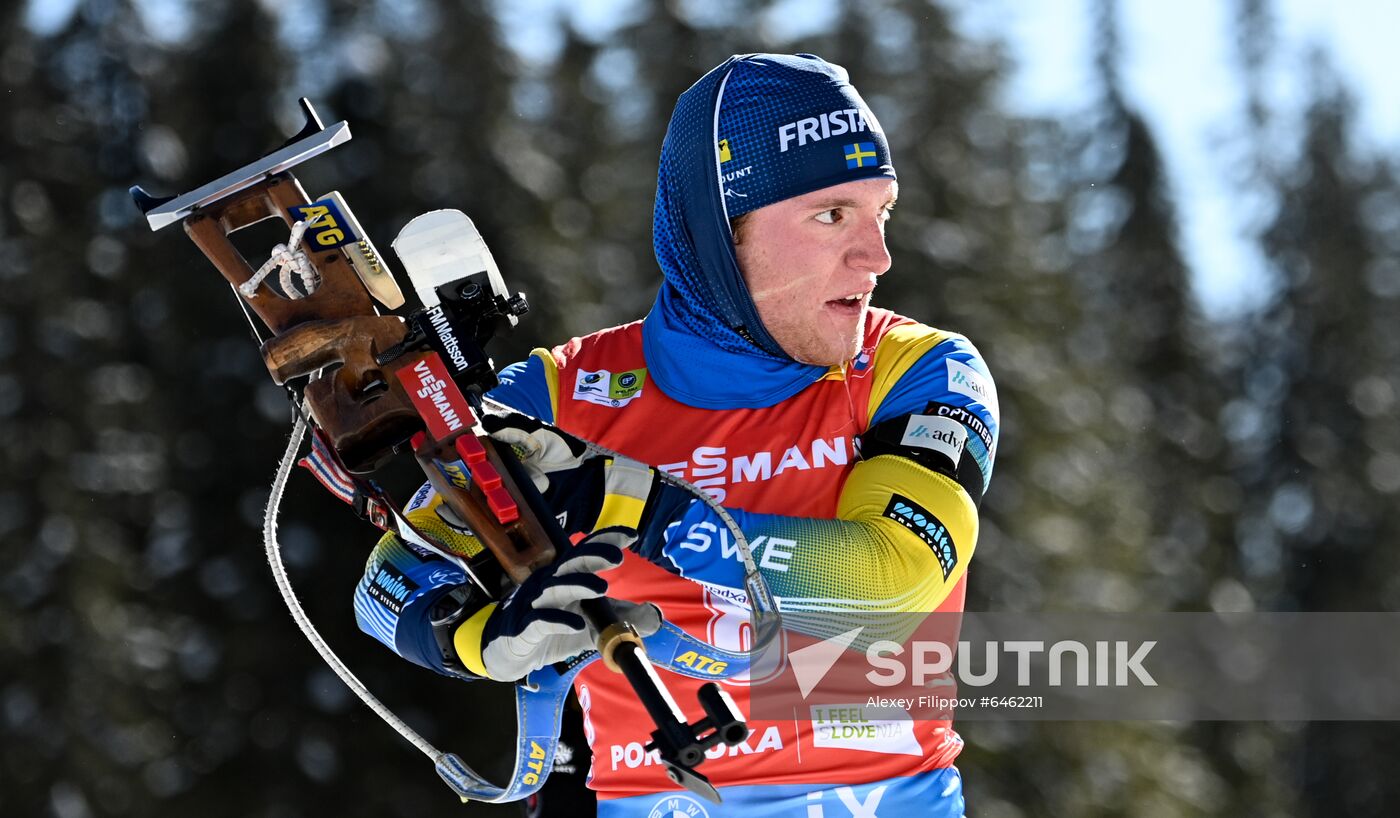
(900, 542)
(551, 377)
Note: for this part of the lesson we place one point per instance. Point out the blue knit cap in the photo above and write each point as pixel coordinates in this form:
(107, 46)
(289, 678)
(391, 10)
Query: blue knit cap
(789, 125)
(758, 129)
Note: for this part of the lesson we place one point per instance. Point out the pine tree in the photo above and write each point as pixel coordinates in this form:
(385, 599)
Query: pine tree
(1328, 377)
(98, 453)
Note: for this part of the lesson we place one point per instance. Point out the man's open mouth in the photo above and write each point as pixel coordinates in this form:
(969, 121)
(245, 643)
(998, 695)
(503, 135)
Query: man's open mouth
(853, 302)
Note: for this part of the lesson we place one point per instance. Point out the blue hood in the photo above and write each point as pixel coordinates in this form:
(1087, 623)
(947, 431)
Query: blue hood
(757, 129)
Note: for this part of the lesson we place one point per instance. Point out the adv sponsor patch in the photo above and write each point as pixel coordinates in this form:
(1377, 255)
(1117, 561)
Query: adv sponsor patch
(965, 380)
(615, 389)
(939, 434)
(927, 527)
(967, 418)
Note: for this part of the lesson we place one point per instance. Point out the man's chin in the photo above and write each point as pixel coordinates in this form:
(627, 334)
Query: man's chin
(834, 344)
(833, 355)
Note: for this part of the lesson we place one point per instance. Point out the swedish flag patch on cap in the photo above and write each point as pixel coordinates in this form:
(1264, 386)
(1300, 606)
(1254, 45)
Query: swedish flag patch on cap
(860, 155)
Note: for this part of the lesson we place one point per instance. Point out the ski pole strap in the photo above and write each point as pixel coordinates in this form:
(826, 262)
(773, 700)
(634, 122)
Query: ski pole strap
(539, 706)
(679, 652)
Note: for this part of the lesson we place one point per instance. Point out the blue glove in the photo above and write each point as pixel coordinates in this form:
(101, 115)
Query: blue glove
(542, 622)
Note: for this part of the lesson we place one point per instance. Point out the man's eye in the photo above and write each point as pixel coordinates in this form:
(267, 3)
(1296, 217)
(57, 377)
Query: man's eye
(829, 216)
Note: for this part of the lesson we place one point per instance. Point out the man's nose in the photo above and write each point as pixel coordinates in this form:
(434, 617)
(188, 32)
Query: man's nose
(868, 251)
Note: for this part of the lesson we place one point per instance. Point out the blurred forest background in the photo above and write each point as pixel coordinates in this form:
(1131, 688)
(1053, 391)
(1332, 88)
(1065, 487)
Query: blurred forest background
(1151, 459)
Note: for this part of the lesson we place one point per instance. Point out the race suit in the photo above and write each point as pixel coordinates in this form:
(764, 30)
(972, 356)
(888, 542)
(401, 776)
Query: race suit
(818, 516)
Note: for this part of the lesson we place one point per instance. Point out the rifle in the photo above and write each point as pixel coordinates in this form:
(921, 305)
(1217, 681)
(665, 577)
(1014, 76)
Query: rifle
(376, 385)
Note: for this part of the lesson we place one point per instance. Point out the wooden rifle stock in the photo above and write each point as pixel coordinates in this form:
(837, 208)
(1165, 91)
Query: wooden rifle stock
(336, 334)
(358, 365)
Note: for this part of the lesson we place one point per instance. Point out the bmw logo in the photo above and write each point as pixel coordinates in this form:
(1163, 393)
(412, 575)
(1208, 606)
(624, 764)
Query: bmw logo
(678, 806)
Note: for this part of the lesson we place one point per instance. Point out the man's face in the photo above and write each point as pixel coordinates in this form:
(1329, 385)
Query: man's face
(810, 263)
